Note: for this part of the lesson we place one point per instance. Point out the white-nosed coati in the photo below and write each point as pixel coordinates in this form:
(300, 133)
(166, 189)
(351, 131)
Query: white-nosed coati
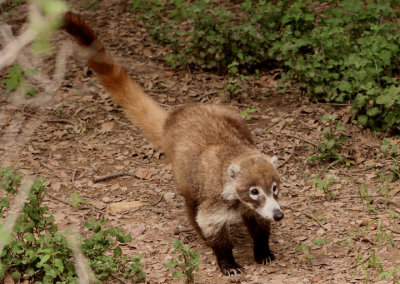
(217, 168)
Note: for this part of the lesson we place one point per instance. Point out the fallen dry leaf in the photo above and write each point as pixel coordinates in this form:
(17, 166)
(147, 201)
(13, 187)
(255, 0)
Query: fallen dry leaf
(8, 279)
(107, 126)
(124, 206)
(144, 175)
(317, 278)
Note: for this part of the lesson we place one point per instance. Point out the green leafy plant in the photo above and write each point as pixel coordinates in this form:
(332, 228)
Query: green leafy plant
(15, 80)
(59, 112)
(332, 141)
(318, 218)
(246, 113)
(391, 150)
(366, 199)
(100, 242)
(324, 185)
(37, 251)
(234, 87)
(76, 201)
(306, 249)
(393, 274)
(372, 262)
(384, 236)
(185, 264)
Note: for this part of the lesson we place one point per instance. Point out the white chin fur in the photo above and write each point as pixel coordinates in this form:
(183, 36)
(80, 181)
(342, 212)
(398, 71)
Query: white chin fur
(268, 210)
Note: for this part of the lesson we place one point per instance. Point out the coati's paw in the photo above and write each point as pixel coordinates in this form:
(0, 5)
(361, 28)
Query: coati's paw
(263, 257)
(231, 269)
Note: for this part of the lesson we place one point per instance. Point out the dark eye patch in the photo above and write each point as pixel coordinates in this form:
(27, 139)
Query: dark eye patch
(254, 191)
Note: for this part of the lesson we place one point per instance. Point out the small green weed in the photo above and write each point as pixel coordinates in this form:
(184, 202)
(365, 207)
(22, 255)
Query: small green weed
(100, 242)
(324, 185)
(318, 218)
(332, 141)
(392, 151)
(234, 87)
(366, 199)
(91, 4)
(369, 263)
(187, 262)
(393, 274)
(15, 80)
(394, 218)
(59, 112)
(306, 249)
(383, 236)
(76, 201)
(246, 113)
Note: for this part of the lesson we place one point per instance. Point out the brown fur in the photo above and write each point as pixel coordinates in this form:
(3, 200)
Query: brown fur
(201, 142)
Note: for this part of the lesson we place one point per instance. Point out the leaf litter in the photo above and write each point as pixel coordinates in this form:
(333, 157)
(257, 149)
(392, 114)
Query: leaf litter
(102, 141)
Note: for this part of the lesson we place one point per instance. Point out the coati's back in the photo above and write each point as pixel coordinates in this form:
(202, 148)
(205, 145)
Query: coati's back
(208, 135)
(192, 128)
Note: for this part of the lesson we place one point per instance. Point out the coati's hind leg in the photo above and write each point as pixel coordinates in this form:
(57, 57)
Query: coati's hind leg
(259, 230)
(216, 235)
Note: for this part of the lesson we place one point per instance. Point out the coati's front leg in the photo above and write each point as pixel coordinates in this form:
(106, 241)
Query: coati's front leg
(222, 248)
(259, 230)
(215, 231)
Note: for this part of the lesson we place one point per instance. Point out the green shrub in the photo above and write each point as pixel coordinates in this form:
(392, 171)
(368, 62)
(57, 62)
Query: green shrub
(348, 52)
(187, 262)
(37, 251)
(15, 80)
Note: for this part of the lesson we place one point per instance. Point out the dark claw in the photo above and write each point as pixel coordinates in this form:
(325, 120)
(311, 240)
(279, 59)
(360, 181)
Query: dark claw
(264, 258)
(229, 271)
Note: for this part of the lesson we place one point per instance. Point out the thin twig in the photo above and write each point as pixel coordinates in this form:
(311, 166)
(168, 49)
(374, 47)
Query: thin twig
(11, 51)
(273, 124)
(119, 279)
(64, 121)
(357, 264)
(8, 225)
(158, 201)
(113, 175)
(302, 139)
(59, 200)
(160, 90)
(73, 177)
(82, 267)
(290, 156)
(393, 231)
(309, 216)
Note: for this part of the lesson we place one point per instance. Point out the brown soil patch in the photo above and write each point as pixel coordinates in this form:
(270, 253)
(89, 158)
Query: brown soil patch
(80, 134)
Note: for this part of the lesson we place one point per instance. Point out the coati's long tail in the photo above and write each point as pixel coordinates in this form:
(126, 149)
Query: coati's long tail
(142, 110)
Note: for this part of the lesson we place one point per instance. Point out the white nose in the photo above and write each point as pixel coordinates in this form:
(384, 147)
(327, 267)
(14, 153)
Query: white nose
(271, 210)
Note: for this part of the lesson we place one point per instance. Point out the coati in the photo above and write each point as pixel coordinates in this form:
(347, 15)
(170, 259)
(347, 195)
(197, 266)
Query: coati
(216, 166)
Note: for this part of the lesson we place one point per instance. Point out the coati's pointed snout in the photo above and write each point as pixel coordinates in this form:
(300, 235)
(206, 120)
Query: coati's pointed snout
(277, 214)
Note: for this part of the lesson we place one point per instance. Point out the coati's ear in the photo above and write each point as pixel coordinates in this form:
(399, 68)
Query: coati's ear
(233, 170)
(274, 161)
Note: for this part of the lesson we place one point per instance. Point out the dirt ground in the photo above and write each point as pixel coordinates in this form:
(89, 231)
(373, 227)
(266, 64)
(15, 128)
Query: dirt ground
(75, 134)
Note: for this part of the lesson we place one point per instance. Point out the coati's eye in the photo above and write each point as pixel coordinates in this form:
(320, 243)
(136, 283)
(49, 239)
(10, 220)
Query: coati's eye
(254, 191)
(274, 189)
